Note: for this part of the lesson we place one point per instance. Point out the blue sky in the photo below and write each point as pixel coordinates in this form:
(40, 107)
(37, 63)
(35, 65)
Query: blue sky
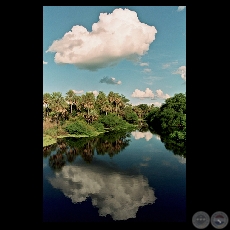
(136, 51)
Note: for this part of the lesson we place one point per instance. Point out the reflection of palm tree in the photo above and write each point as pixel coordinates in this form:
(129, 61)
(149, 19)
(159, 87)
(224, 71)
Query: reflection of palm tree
(67, 149)
(48, 149)
(57, 161)
(112, 143)
(71, 155)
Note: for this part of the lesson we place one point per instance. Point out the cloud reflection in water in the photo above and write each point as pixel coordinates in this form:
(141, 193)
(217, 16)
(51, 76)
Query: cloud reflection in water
(112, 192)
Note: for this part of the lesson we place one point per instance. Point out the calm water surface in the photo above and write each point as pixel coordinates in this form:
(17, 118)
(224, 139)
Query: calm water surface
(125, 178)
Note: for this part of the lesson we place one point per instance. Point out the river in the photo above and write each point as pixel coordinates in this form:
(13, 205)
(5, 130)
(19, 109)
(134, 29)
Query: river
(125, 177)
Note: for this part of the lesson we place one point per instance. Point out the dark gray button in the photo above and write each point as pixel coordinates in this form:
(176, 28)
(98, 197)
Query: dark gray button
(200, 220)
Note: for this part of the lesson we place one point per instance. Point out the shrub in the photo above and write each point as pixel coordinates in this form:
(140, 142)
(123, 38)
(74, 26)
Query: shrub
(98, 126)
(80, 127)
(113, 122)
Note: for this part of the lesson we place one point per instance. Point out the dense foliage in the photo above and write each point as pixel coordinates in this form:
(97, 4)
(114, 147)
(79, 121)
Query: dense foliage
(170, 118)
(89, 115)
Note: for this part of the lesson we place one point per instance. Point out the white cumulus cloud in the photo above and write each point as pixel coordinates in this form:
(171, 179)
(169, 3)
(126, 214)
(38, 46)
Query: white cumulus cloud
(148, 93)
(116, 36)
(182, 71)
(160, 94)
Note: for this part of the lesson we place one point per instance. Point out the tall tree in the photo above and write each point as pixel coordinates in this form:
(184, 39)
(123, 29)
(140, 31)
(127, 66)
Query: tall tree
(70, 98)
(58, 105)
(101, 102)
(46, 103)
(88, 102)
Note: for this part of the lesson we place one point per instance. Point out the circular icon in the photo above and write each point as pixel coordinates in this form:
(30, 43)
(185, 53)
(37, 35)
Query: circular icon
(219, 220)
(201, 220)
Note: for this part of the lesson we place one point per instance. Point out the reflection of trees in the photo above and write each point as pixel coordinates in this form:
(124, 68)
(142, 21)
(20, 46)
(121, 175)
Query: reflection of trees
(143, 127)
(177, 147)
(71, 155)
(48, 149)
(56, 161)
(112, 143)
(67, 149)
(83, 147)
(62, 147)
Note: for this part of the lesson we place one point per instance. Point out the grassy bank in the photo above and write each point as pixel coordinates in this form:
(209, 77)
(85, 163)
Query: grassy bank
(51, 133)
(79, 128)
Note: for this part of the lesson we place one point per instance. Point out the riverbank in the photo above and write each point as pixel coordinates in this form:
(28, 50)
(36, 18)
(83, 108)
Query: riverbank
(79, 129)
(49, 140)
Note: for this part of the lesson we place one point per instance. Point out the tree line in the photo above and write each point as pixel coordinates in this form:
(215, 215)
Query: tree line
(88, 113)
(58, 107)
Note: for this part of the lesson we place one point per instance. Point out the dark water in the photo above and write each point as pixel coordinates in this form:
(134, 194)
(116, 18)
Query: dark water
(129, 177)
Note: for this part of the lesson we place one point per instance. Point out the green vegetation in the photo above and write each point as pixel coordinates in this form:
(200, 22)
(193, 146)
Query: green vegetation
(89, 116)
(169, 121)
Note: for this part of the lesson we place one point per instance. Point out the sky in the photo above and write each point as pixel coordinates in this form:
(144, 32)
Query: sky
(136, 51)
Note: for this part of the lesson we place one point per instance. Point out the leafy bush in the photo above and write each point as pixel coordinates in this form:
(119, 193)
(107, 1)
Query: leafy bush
(131, 117)
(113, 123)
(98, 126)
(80, 127)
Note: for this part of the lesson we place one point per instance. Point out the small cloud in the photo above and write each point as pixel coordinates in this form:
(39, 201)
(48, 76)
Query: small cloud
(161, 95)
(182, 71)
(78, 92)
(143, 94)
(165, 66)
(144, 64)
(157, 104)
(110, 80)
(45, 63)
(95, 92)
(180, 8)
(147, 70)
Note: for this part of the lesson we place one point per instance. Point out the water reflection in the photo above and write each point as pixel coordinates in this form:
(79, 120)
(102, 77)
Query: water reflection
(80, 173)
(113, 192)
(67, 149)
(137, 135)
(177, 147)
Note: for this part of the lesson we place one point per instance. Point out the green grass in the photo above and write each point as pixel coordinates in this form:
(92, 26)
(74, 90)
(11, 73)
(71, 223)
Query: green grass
(48, 140)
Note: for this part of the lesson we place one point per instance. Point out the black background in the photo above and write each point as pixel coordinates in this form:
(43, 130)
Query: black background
(207, 118)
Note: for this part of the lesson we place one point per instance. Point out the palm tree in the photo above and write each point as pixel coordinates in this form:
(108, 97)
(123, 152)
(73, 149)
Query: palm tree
(70, 97)
(100, 100)
(77, 102)
(58, 106)
(93, 115)
(46, 103)
(117, 100)
(88, 102)
(106, 107)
